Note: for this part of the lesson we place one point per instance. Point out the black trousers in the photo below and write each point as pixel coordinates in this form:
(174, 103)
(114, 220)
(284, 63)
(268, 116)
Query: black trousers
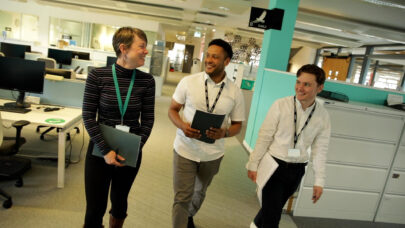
(282, 184)
(98, 176)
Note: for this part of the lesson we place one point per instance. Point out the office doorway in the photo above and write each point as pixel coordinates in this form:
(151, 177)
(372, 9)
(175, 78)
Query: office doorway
(176, 56)
(188, 58)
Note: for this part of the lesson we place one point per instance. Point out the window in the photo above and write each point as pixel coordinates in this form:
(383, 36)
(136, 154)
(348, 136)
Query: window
(19, 26)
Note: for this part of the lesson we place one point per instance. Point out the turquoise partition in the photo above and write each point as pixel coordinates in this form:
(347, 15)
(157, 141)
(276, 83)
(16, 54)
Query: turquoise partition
(360, 93)
(278, 84)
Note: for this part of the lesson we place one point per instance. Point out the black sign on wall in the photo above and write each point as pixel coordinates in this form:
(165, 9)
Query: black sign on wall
(266, 19)
(66, 36)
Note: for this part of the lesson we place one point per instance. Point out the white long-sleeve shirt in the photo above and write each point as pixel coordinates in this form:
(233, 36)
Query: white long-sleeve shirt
(276, 136)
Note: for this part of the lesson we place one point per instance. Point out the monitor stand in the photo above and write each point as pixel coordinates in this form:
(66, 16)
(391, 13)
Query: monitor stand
(19, 103)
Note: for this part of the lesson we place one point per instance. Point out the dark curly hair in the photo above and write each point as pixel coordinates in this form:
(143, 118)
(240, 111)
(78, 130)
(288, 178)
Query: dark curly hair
(223, 44)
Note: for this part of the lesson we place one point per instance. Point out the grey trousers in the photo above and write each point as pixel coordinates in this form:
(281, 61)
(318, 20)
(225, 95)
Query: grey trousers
(190, 182)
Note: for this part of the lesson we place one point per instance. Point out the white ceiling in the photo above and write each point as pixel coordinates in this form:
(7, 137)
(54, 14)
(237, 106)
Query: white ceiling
(351, 23)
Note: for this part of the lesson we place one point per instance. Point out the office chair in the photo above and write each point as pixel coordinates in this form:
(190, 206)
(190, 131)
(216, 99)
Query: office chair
(49, 62)
(90, 68)
(60, 72)
(12, 167)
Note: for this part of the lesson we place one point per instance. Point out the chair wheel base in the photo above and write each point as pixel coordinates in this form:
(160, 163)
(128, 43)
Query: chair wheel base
(8, 203)
(19, 183)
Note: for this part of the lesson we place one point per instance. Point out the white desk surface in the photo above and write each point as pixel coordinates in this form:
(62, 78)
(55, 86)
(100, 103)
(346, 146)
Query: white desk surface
(37, 115)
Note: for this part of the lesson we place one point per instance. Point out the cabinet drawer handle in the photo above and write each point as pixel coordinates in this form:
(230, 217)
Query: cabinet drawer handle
(395, 175)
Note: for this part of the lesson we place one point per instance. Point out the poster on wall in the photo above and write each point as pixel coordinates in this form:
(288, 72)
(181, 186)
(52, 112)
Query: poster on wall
(266, 18)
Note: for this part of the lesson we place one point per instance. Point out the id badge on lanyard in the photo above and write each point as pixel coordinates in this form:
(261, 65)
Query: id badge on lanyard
(294, 152)
(122, 108)
(123, 128)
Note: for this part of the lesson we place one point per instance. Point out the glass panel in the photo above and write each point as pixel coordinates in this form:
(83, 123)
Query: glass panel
(355, 76)
(101, 37)
(30, 27)
(19, 26)
(10, 24)
(388, 76)
(65, 31)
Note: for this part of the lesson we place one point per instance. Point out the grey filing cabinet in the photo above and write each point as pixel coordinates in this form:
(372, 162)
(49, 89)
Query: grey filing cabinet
(392, 207)
(361, 155)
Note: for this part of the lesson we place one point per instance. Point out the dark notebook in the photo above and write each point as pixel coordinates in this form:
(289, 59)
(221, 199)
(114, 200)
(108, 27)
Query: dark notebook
(203, 121)
(124, 143)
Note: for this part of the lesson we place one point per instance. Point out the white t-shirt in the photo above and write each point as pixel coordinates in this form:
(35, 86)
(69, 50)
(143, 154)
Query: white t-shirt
(191, 93)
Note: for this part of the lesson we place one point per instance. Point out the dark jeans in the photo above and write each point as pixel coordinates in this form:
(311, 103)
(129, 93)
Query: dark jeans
(98, 176)
(282, 184)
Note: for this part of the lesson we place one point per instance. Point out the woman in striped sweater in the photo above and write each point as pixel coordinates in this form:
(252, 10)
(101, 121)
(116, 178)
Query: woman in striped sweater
(101, 106)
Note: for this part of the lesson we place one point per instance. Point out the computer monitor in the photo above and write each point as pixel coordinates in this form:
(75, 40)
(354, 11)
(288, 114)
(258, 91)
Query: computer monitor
(14, 50)
(81, 55)
(23, 76)
(111, 60)
(60, 56)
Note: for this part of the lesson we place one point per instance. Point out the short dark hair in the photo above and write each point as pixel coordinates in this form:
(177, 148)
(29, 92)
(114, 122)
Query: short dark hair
(125, 35)
(223, 44)
(315, 70)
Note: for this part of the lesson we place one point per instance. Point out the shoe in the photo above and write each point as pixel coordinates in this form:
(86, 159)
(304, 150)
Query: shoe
(253, 225)
(116, 223)
(190, 223)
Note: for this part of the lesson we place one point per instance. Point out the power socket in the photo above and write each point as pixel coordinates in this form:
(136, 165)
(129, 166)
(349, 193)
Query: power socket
(32, 99)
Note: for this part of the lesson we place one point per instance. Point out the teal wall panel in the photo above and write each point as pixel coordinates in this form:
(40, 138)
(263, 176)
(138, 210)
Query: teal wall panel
(360, 93)
(275, 53)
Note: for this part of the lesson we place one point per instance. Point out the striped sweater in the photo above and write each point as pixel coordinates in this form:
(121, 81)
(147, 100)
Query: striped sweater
(100, 98)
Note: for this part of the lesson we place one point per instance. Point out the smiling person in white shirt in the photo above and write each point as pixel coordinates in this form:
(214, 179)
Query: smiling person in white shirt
(292, 125)
(195, 163)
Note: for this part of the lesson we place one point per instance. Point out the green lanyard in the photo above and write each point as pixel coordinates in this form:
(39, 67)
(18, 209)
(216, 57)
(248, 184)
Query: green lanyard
(117, 90)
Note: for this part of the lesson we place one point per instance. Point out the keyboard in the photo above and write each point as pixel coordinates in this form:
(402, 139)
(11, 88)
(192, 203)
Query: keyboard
(13, 109)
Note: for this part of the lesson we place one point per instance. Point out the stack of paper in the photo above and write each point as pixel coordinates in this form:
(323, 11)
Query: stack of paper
(266, 168)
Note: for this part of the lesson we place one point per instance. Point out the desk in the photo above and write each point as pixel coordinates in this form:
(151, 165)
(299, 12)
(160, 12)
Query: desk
(72, 117)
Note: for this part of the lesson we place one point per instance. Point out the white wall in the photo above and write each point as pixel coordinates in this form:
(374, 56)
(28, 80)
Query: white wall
(45, 12)
(304, 56)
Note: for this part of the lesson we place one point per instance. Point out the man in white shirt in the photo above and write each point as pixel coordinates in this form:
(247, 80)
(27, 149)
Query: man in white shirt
(196, 162)
(292, 125)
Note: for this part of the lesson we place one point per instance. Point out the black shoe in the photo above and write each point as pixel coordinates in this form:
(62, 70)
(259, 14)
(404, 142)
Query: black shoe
(190, 223)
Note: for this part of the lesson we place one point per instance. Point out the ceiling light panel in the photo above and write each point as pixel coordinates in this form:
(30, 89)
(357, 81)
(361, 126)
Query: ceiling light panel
(392, 4)
(232, 6)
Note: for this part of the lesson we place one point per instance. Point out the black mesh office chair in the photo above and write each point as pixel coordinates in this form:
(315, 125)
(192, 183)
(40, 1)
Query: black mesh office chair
(12, 167)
